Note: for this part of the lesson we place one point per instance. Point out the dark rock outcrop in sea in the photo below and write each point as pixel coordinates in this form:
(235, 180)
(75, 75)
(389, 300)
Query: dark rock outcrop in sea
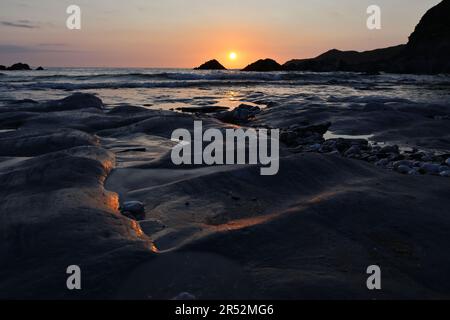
(211, 65)
(19, 67)
(39, 69)
(2, 68)
(426, 52)
(263, 65)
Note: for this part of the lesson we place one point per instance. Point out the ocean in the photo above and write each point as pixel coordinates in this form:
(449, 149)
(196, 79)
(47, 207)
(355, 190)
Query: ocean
(174, 88)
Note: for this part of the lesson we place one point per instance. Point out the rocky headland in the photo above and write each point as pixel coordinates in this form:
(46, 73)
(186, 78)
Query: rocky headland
(426, 52)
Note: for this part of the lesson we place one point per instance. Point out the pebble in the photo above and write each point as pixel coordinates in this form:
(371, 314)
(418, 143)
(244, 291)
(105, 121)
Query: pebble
(352, 151)
(382, 163)
(430, 168)
(404, 169)
(443, 168)
(445, 174)
(133, 209)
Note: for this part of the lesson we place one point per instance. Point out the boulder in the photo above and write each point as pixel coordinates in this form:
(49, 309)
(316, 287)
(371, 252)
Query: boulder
(263, 65)
(211, 65)
(34, 142)
(75, 101)
(203, 109)
(242, 114)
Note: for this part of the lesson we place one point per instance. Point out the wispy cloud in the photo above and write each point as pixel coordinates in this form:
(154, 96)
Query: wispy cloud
(26, 24)
(52, 44)
(11, 48)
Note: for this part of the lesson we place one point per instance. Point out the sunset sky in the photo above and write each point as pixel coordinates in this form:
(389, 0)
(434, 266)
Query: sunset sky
(185, 33)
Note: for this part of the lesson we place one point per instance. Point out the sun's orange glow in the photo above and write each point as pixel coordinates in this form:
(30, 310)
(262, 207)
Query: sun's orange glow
(232, 56)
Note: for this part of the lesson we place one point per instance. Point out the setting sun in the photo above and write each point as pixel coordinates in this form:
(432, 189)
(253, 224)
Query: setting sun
(232, 56)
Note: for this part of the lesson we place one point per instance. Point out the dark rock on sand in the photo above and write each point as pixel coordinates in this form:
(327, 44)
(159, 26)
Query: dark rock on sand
(211, 65)
(133, 209)
(263, 65)
(310, 135)
(19, 67)
(75, 101)
(33, 142)
(242, 114)
(55, 212)
(203, 109)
